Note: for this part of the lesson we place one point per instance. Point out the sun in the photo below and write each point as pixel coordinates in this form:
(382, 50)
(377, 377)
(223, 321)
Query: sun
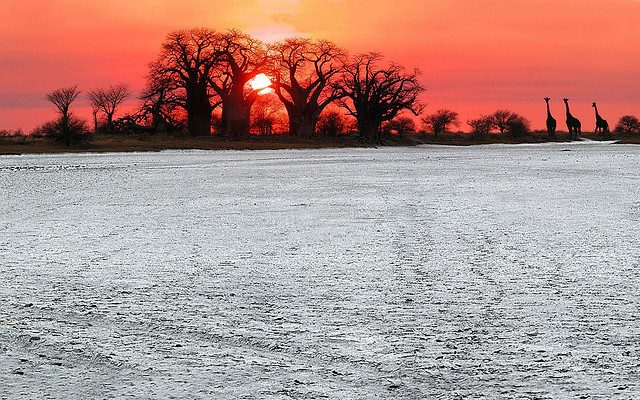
(261, 81)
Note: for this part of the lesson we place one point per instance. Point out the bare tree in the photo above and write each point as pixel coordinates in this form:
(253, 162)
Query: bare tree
(303, 74)
(267, 112)
(374, 94)
(481, 125)
(184, 68)
(108, 100)
(62, 99)
(68, 129)
(439, 121)
(94, 101)
(628, 124)
(160, 100)
(240, 59)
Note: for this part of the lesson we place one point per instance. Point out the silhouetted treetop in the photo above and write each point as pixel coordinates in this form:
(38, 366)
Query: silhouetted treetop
(439, 121)
(374, 94)
(628, 124)
(303, 73)
(109, 99)
(183, 69)
(62, 99)
(241, 58)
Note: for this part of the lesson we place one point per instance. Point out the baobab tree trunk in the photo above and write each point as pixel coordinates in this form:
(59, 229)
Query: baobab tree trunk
(369, 130)
(199, 114)
(236, 118)
(95, 121)
(303, 124)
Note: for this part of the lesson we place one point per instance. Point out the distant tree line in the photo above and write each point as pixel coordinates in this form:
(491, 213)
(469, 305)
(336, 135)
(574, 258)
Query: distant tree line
(200, 84)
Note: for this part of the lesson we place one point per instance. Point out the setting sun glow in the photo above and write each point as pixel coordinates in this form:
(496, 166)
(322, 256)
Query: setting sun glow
(261, 81)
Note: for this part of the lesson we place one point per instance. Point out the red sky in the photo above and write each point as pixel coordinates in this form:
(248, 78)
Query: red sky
(475, 55)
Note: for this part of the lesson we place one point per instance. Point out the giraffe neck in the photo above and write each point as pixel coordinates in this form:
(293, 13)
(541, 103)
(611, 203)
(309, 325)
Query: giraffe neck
(597, 115)
(548, 111)
(567, 105)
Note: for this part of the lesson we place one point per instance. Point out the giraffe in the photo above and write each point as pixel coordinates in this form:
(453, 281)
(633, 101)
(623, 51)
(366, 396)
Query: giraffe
(601, 124)
(551, 122)
(573, 123)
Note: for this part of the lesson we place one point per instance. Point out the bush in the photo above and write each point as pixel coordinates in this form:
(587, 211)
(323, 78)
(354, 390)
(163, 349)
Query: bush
(518, 125)
(11, 133)
(628, 124)
(68, 131)
(400, 126)
(480, 126)
(331, 123)
(439, 121)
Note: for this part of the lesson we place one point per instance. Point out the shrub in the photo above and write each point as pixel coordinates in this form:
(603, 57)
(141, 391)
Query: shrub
(439, 121)
(69, 131)
(628, 124)
(481, 125)
(331, 123)
(400, 126)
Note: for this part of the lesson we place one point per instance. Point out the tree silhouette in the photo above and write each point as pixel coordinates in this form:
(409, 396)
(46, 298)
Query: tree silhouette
(184, 67)
(374, 94)
(303, 74)
(400, 126)
(518, 125)
(160, 100)
(331, 123)
(108, 100)
(481, 125)
(240, 59)
(501, 119)
(62, 99)
(439, 121)
(628, 124)
(266, 113)
(68, 129)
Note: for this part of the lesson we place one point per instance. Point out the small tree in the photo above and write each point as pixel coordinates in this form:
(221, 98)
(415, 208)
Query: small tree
(331, 123)
(267, 112)
(400, 126)
(67, 129)
(62, 99)
(481, 125)
(439, 121)
(108, 100)
(628, 124)
(518, 125)
(501, 119)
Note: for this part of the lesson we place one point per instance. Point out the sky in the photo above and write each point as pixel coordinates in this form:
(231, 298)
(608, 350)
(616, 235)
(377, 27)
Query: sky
(475, 55)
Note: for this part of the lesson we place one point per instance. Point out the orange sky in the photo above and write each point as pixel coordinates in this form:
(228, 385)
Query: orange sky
(476, 55)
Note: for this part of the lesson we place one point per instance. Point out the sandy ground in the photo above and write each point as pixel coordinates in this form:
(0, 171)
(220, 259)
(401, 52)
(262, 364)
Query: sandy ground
(483, 272)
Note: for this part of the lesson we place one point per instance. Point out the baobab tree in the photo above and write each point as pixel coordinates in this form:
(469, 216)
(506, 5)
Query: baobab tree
(303, 75)
(186, 62)
(108, 100)
(240, 58)
(160, 99)
(374, 94)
